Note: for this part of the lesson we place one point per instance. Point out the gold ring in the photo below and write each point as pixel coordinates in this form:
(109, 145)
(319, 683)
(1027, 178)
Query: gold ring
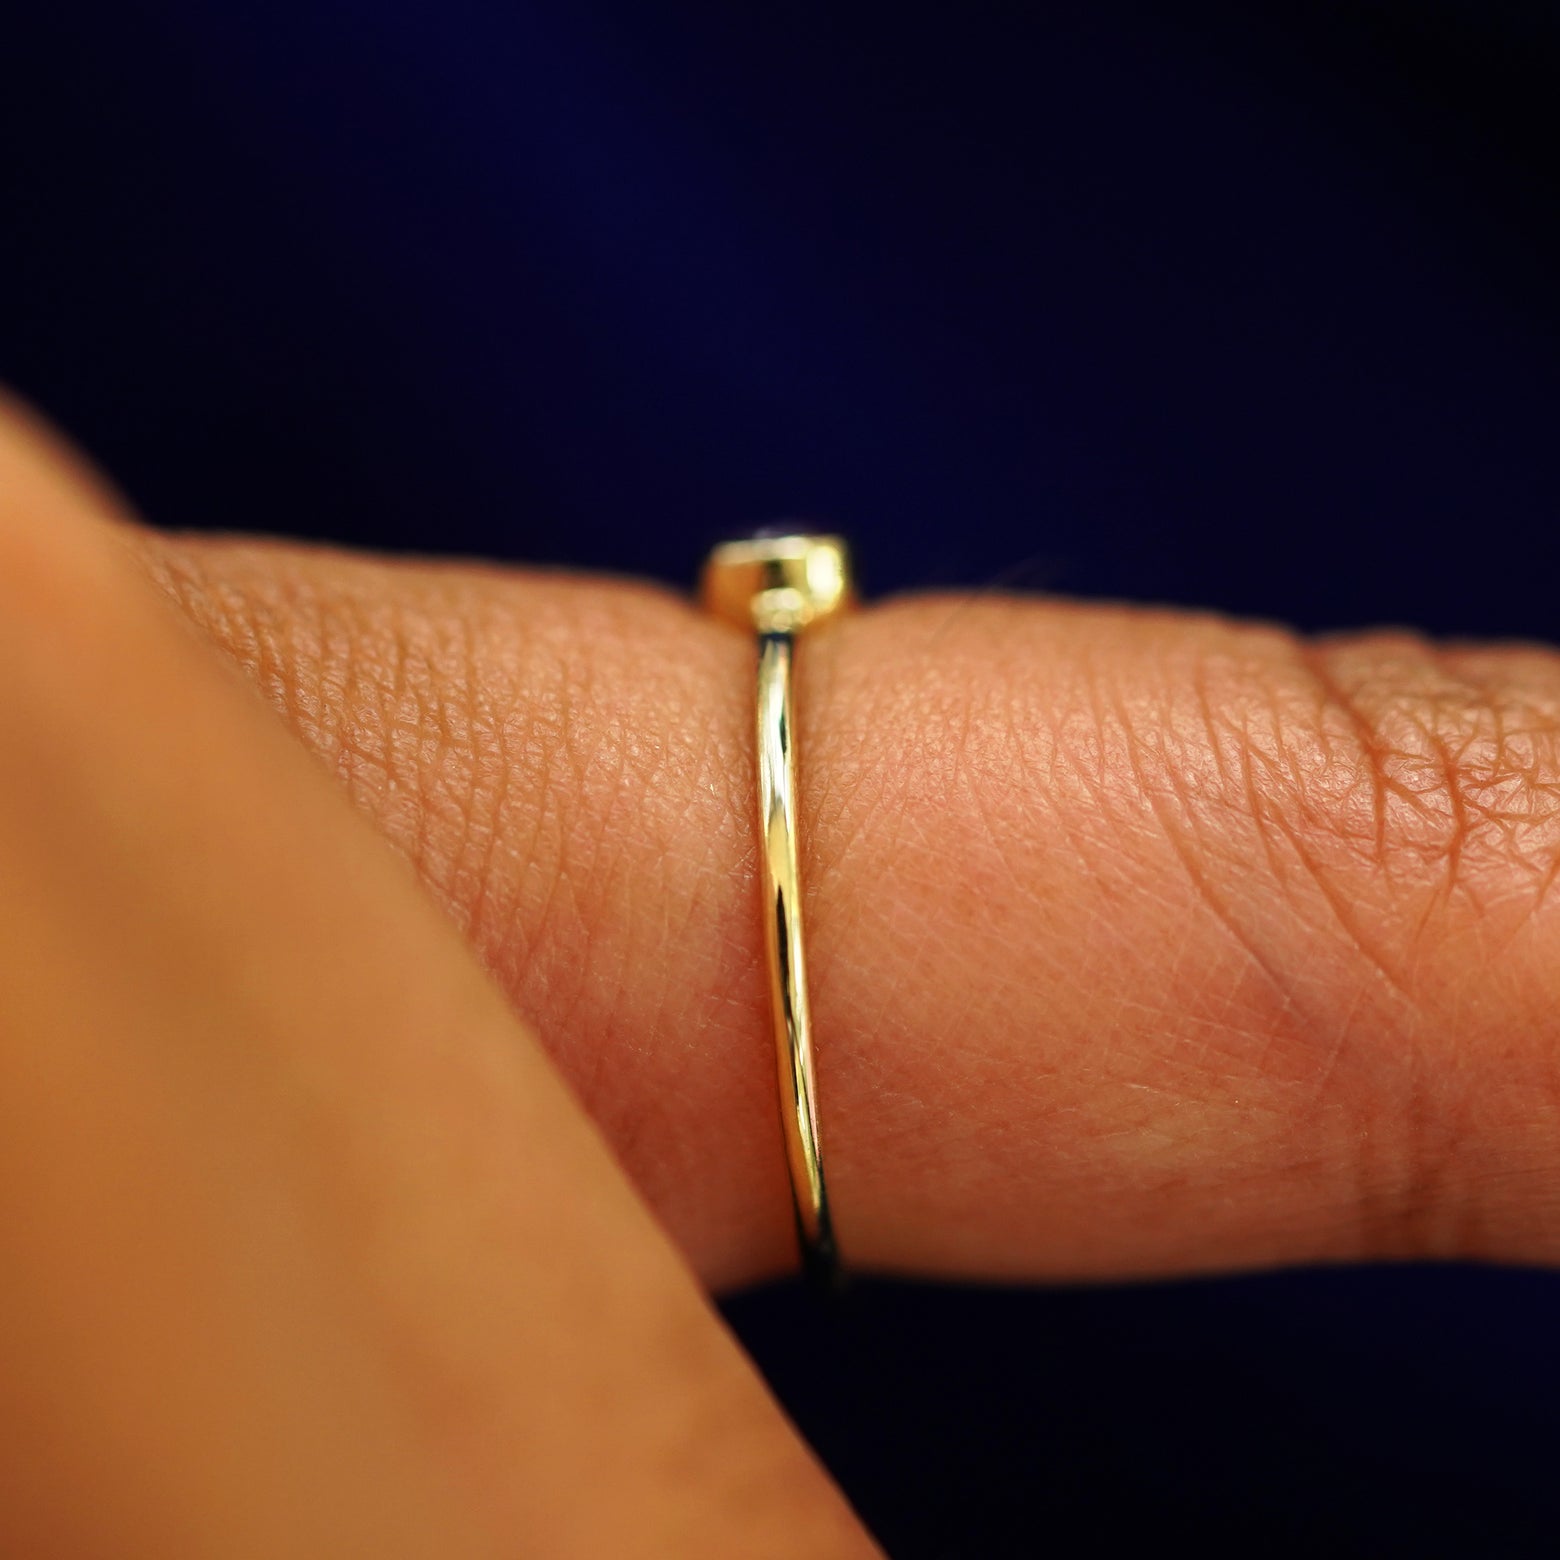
(779, 587)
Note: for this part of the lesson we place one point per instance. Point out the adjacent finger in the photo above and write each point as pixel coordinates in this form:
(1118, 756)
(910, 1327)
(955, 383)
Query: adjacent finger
(306, 1249)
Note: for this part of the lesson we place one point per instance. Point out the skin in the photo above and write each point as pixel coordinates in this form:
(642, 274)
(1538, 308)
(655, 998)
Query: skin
(1140, 943)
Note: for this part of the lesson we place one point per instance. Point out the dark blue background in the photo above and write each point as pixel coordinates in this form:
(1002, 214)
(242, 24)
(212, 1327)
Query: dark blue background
(1244, 307)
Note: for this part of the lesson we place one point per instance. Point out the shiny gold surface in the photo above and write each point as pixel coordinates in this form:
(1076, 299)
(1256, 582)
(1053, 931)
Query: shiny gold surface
(778, 584)
(779, 587)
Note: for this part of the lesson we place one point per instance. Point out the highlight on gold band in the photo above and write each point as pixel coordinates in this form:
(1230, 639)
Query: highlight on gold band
(780, 587)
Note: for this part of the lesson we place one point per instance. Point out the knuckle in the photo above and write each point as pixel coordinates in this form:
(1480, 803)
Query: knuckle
(1387, 774)
(1407, 798)
(1451, 763)
(1364, 833)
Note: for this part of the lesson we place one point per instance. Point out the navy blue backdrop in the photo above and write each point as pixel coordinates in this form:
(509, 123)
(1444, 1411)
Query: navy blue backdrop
(1252, 308)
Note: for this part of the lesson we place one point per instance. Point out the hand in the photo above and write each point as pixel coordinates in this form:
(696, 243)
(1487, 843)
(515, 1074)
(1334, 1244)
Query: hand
(1140, 943)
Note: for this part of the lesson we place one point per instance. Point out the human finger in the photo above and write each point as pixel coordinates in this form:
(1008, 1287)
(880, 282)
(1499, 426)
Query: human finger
(1140, 942)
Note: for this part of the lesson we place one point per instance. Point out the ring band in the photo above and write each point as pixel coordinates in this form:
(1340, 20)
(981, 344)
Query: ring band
(779, 587)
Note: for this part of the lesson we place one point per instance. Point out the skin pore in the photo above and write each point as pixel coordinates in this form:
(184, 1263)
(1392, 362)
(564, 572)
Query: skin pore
(347, 1205)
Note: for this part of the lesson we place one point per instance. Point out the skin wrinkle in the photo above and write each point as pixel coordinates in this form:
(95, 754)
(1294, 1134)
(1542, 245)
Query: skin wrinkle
(1478, 754)
(1235, 772)
(1171, 779)
(1417, 1169)
(1528, 808)
(1428, 1174)
(1148, 790)
(1270, 1010)
(1169, 771)
(1334, 701)
(1449, 731)
(1289, 799)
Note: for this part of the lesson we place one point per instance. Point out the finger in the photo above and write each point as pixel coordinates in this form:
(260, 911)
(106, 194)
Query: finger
(1140, 942)
(306, 1248)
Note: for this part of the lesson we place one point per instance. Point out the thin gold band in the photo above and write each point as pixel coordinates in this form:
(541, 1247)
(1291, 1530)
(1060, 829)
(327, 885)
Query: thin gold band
(781, 587)
(787, 960)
